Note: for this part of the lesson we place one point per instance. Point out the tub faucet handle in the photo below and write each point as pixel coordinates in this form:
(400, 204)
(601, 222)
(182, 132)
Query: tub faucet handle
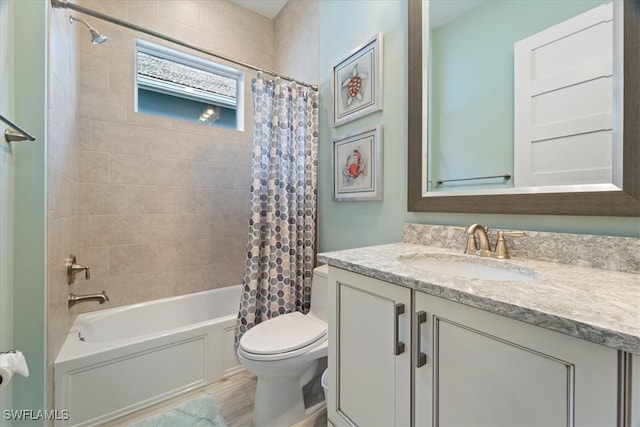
(74, 268)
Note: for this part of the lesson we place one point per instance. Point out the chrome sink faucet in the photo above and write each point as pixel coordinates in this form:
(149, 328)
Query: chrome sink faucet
(478, 241)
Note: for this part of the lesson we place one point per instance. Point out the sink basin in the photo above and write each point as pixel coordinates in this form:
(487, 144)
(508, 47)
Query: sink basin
(472, 268)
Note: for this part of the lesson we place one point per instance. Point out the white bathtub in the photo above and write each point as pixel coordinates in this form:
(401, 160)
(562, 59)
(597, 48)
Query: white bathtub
(119, 360)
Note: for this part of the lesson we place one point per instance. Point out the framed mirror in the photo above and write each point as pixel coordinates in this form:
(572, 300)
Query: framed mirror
(431, 190)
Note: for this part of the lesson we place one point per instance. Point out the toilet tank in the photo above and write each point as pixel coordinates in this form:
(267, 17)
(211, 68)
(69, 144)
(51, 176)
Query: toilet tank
(320, 292)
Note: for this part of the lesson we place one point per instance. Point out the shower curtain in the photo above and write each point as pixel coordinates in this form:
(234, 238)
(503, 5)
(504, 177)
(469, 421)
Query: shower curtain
(282, 216)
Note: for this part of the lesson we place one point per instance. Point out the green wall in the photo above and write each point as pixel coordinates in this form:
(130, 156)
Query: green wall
(343, 26)
(7, 168)
(29, 291)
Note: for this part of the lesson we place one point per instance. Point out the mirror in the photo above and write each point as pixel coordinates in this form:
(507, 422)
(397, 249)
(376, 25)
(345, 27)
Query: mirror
(618, 195)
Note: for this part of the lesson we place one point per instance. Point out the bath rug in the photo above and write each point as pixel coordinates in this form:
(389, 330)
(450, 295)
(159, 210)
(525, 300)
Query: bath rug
(199, 412)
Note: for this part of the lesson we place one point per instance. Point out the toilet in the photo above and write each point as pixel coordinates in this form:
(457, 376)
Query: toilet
(286, 353)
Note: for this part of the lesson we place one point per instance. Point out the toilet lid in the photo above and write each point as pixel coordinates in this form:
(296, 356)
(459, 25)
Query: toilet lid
(284, 333)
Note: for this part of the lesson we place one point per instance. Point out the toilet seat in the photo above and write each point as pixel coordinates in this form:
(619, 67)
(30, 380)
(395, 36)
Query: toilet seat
(283, 337)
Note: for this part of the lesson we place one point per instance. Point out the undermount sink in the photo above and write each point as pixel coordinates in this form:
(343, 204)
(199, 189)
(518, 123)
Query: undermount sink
(471, 267)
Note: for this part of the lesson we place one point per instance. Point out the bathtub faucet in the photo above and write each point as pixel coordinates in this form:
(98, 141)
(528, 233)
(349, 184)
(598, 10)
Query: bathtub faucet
(75, 299)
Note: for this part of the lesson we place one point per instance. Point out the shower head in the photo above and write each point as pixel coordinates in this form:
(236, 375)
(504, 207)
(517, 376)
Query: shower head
(96, 37)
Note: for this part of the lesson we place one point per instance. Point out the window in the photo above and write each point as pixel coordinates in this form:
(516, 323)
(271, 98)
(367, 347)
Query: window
(181, 86)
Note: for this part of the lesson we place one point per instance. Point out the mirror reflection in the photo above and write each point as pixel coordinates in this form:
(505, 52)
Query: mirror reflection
(520, 95)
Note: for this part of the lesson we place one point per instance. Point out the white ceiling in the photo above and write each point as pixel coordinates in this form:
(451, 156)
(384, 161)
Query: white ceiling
(268, 8)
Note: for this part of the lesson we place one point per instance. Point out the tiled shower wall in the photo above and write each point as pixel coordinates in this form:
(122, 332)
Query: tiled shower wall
(297, 40)
(63, 186)
(163, 203)
(156, 207)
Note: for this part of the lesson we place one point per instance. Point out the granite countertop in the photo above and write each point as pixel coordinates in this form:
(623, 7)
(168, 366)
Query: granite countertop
(597, 305)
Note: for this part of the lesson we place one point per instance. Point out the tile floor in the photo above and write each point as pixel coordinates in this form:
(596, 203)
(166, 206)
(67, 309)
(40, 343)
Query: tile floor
(233, 395)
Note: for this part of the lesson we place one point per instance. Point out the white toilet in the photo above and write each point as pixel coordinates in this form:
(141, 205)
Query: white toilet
(286, 353)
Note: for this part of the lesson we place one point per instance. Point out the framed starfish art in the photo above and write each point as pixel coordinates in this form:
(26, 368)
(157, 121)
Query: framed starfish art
(357, 82)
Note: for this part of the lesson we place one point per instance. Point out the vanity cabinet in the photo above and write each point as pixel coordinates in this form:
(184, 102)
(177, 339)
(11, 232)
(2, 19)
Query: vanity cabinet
(633, 411)
(369, 351)
(485, 369)
(459, 365)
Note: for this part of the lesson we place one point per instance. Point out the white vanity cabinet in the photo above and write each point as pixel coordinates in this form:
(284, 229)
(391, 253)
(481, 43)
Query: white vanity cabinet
(369, 351)
(478, 368)
(634, 391)
(486, 369)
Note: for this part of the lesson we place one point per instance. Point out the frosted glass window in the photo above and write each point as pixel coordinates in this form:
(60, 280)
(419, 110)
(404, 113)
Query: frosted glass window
(177, 85)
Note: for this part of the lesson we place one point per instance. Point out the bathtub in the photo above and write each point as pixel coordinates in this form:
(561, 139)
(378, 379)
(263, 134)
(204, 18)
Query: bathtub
(123, 359)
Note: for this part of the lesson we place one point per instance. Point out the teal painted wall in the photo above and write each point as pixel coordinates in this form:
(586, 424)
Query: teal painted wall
(30, 205)
(7, 170)
(471, 116)
(343, 26)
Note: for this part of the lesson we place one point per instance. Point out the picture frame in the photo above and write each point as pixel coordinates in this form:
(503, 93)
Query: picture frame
(356, 82)
(357, 166)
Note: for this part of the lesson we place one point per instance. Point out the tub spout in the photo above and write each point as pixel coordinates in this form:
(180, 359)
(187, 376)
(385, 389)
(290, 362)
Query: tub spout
(75, 299)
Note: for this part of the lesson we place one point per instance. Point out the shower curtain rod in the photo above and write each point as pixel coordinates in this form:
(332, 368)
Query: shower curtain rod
(64, 4)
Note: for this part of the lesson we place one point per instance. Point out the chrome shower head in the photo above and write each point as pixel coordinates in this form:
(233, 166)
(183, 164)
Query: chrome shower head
(96, 37)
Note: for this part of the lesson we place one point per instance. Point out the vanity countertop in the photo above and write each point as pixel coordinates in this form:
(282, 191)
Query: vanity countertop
(601, 306)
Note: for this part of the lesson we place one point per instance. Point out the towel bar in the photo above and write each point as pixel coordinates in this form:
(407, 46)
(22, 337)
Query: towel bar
(505, 176)
(17, 134)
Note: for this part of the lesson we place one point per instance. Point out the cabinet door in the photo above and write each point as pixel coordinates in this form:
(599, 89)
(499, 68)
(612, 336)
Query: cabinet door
(369, 351)
(488, 370)
(633, 397)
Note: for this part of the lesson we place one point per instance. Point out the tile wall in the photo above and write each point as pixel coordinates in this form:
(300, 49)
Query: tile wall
(162, 203)
(63, 181)
(296, 40)
(156, 207)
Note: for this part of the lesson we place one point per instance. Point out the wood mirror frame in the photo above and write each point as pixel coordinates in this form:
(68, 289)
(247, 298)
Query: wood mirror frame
(625, 202)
